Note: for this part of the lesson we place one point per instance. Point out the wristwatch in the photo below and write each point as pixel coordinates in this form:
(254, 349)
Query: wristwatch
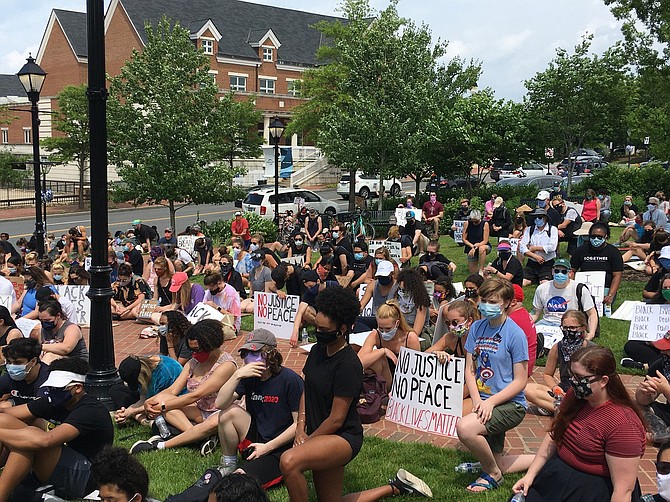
(162, 406)
(218, 308)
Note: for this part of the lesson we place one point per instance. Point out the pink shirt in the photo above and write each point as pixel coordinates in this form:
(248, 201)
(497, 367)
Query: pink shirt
(205, 403)
(229, 299)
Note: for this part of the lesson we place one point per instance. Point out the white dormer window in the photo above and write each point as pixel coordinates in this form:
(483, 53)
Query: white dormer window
(5, 136)
(267, 54)
(26, 135)
(207, 46)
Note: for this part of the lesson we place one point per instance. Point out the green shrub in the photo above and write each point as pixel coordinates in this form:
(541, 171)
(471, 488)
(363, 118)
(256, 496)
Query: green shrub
(640, 182)
(219, 230)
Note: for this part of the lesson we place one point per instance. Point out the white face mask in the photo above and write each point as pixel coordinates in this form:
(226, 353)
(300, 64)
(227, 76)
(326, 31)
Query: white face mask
(663, 482)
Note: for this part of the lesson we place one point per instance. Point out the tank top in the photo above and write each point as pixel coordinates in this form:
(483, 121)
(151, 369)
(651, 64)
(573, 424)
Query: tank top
(312, 225)
(379, 299)
(206, 403)
(589, 210)
(475, 232)
(79, 349)
(164, 295)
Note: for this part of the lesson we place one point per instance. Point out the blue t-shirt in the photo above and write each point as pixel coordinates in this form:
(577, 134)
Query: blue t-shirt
(30, 302)
(495, 350)
(164, 375)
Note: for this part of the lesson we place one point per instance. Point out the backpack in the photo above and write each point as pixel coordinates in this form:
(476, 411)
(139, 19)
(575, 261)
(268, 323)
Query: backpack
(144, 288)
(200, 490)
(370, 403)
(580, 288)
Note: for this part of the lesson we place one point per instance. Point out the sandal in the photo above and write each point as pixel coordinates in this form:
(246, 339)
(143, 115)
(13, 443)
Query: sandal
(488, 483)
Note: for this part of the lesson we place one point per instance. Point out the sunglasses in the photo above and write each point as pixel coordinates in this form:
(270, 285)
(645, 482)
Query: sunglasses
(663, 467)
(560, 271)
(452, 323)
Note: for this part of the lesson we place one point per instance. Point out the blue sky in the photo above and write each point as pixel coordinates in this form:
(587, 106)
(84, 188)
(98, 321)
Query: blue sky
(513, 39)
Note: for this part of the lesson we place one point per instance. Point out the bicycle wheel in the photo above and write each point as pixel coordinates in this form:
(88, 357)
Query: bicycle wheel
(369, 231)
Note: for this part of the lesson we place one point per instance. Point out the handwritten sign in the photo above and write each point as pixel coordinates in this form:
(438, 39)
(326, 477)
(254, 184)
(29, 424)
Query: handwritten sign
(400, 213)
(394, 248)
(6, 301)
(458, 233)
(626, 310)
(552, 335)
(147, 308)
(186, 242)
(514, 244)
(81, 302)
(650, 322)
(296, 261)
(427, 395)
(26, 325)
(367, 310)
(202, 311)
(595, 281)
(275, 314)
(17, 282)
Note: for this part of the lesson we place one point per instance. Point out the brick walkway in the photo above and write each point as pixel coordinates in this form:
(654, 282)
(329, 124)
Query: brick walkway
(524, 439)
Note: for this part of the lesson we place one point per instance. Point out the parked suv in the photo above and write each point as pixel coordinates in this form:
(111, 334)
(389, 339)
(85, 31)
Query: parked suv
(367, 185)
(262, 201)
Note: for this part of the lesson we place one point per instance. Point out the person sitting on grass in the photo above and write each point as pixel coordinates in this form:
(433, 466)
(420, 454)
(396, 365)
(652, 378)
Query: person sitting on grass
(654, 386)
(222, 297)
(266, 429)
(434, 265)
(128, 294)
(662, 476)
(120, 477)
(25, 372)
(496, 372)
(58, 456)
(193, 413)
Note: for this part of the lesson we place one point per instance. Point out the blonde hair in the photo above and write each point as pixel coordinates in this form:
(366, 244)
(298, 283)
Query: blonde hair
(32, 256)
(384, 252)
(466, 308)
(394, 232)
(391, 310)
(577, 315)
(57, 266)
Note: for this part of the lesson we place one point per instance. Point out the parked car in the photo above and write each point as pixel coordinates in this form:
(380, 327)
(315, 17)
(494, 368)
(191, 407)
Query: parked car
(540, 182)
(367, 185)
(534, 169)
(585, 152)
(576, 180)
(262, 201)
(589, 165)
(436, 184)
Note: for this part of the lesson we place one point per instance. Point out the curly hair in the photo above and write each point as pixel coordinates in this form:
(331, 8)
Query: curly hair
(177, 325)
(412, 282)
(239, 488)
(116, 466)
(448, 286)
(208, 333)
(71, 364)
(22, 348)
(340, 305)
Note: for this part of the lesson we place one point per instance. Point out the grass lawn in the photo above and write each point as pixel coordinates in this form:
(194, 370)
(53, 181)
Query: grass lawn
(174, 470)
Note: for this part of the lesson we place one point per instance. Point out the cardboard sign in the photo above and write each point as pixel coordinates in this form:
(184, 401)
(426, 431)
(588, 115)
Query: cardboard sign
(344, 280)
(400, 213)
(26, 325)
(186, 242)
(203, 311)
(458, 233)
(275, 314)
(367, 310)
(6, 301)
(394, 248)
(552, 335)
(17, 282)
(595, 281)
(81, 302)
(296, 261)
(147, 307)
(87, 263)
(649, 323)
(427, 395)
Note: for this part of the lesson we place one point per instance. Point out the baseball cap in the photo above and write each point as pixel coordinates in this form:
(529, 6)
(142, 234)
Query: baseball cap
(129, 371)
(309, 276)
(409, 215)
(238, 213)
(653, 200)
(518, 293)
(663, 343)
(256, 255)
(178, 279)
(137, 222)
(384, 268)
(542, 195)
(60, 379)
(562, 262)
(258, 339)
(504, 246)
(169, 229)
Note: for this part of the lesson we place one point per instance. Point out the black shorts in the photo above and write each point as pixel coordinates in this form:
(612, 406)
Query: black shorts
(535, 272)
(354, 440)
(266, 469)
(71, 478)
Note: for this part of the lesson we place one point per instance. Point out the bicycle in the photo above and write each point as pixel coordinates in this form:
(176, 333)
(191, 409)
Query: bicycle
(358, 228)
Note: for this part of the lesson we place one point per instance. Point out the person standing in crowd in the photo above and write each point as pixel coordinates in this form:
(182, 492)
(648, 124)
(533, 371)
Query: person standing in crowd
(145, 235)
(239, 228)
(592, 451)
(313, 228)
(539, 244)
(507, 265)
(501, 221)
(591, 206)
(653, 213)
(570, 221)
(168, 239)
(433, 212)
(461, 215)
(476, 241)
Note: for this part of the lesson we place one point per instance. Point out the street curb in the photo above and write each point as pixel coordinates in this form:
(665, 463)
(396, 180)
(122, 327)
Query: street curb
(115, 210)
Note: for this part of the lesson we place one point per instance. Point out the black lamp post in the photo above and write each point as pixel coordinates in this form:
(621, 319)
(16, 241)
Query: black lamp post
(276, 130)
(32, 78)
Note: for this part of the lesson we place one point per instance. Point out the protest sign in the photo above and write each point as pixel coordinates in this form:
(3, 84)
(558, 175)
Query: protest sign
(595, 281)
(87, 263)
(649, 323)
(275, 314)
(367, 310)
(296, 261)
(514, 244)
(458, 233)
(17, 282)
(552, 335)
(400, 213)
(202, 311)
(625, 311)
(430, 288)
(394, 249)
(186, 242)
(427, 395)
(147, 307)
(81, 302)
(6, 301)
(26, 325)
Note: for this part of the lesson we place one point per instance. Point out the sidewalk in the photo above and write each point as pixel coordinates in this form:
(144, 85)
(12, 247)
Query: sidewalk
(20, 213)
(526, 438)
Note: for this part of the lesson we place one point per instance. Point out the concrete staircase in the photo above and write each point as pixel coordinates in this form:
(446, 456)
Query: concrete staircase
(308, 169)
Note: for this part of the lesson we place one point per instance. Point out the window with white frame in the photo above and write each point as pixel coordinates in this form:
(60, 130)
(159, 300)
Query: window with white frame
(267, 54)
(5, 136)
(266, 86)
(207, 46)
(238, 83)
(26, 135)
(293, 87)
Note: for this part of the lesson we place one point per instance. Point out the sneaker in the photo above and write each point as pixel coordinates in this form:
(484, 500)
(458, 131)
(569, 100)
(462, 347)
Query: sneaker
(142, 446)
(617, 244)
(209, 445)
(627, 362)
(409, 484)
(544, 412)
(226, 469)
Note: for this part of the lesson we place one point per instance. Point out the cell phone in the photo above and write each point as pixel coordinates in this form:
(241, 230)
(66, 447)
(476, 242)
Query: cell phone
(246, 453)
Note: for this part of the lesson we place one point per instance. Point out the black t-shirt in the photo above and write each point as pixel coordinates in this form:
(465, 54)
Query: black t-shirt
(588, 259)
(426, 258)
(89, 417)
(235, 280)
(271, 402)
(298, 251)
(514, 267)
(360, 266)
(654, 281)
(410, 229)
(345, 243)
(294, 282)
(7, 248)
(22, 392)
(309, 296)
(136, 261)
(337, 266)
(146, 232)
(326, 377)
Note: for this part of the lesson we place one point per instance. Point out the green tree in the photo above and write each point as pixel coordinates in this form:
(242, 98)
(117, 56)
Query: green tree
(8, 173)
(162, 109)
(579, 98)
(71, 119)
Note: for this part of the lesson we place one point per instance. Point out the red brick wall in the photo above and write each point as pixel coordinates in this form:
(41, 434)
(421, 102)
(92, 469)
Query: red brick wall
(61, 64)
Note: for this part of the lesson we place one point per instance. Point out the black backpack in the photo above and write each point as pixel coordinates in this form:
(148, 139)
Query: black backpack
(580, 289)
(200, 490)
(144, 287)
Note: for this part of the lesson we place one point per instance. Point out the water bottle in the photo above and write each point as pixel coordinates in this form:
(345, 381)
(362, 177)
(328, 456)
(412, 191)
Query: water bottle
(468, 467)
(162, 426)
(608, 310)
(519, 497)
(305, 336)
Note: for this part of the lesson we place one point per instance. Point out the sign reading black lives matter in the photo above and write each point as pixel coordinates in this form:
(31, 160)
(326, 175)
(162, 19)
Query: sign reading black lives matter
(427, 395)
(649, 322)
(82, 303)
(275, 314)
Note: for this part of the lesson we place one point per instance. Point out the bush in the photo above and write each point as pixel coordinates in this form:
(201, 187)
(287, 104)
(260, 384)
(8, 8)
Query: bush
(219, 231)
(640, 182)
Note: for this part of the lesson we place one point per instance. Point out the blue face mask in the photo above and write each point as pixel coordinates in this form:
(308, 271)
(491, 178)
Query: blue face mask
(336, 235)
(596, 242)
(253, 247)
(58, 277)
(18, 372)
(651, 207)
(541, 203)
(490, 310)
(377, 261)
(561, 278)
(256, 263)
(359, 256)
(539, 222)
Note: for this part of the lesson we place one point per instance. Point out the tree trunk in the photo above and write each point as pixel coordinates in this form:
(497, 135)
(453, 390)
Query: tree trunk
(173, 218)
(352, 189)
(82, 170)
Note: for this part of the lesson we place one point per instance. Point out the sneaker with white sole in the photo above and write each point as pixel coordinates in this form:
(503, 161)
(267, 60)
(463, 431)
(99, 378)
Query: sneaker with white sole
(209, 445)
(142, 446)
(627, 362)
(408, 484)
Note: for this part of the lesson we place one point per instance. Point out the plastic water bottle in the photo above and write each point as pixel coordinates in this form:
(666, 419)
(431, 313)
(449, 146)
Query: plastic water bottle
(468, 467)
(519, 497)
(607, 310)
(163, 429)
(304, 337)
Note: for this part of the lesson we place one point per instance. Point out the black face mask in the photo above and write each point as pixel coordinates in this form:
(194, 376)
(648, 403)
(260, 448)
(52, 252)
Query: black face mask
(582, 388)
(470, 293)
(504, 255)
(214, 292)
(30, 284)
(519, 220)
(225, 268)
(385, 281)
(327, 337)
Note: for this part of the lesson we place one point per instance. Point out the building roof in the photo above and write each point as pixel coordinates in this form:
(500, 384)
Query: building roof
(74, 27)
(11, 86)
(238, 22)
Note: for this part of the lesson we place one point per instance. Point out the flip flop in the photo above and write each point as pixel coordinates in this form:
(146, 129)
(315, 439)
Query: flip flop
(490, 484)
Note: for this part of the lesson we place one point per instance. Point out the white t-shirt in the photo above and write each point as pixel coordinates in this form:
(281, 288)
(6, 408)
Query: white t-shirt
(68, 308)
(554, 302)
(7, 289)
(183, 256)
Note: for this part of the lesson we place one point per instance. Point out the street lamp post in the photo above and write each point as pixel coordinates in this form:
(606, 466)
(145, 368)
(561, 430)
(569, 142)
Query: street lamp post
(32, 78)
(276, 130)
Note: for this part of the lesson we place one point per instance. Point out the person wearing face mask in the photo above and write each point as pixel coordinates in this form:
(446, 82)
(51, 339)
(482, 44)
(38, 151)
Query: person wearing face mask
(538, 244)
(506, 264)
(519, 224)
(591, 206)
(552, 299)
(185, 295)
(120, 477)
(476, 240)
(496, 372)
(59, 456)
(239, 228)
(443, 294)
(627, 206)
(13, 267)
(339, 258)
(59, 336)
(58, 274)
(313, 285)
(433, 212)
(194, 412)
(270, 257)
(231, 276)
(133, 256)
(597, 255)
(298, 247)
(434, 265)
(25, 372)
(129, 293)
(379, 353)
(260, 279)
(224, 298)
(266, 428)
(592, 451)
(501, 220)
(570, 221)
(363, 265)
(377, 292)
(543, 202)
(33, 279)
(471, 287)
(339, 238)
(656, 215)
(462, 214)
(662, 476)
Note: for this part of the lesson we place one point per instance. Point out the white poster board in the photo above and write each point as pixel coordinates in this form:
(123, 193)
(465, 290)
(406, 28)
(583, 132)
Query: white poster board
(430, 288)
(296, 261)
(626, 310)
(275, 314)
(186, 242)
(202, 311)
(458, 233)
(81, 302)
(595, 281)
(87, 263)
(6, 301)
(649, 323)
(400, 213)
(514, 244)
(552, 335)
(367, 310)
(26, 325)
(395, 250)
(427, 395)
